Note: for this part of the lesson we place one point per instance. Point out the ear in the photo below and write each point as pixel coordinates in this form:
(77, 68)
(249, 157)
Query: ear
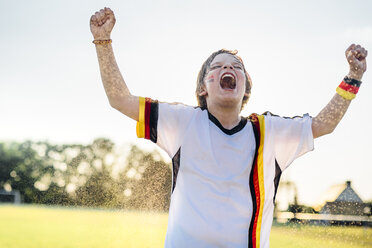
(203, 92)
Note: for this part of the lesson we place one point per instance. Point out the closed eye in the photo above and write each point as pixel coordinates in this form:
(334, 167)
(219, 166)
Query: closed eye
(215, 67)
(239, 67)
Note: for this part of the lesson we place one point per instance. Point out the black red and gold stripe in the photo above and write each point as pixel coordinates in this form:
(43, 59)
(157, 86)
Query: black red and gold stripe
(147, 119)
(348, 88)
(256, 182)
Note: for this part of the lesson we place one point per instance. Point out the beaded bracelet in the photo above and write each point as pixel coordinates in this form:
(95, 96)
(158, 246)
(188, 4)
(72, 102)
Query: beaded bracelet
(102, 42)
(348, 88)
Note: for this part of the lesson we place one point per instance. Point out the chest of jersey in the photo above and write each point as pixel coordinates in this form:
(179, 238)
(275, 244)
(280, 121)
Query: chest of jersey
(212, 186)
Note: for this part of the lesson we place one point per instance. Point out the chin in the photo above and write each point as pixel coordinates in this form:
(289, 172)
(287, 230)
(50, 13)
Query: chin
(230, 102)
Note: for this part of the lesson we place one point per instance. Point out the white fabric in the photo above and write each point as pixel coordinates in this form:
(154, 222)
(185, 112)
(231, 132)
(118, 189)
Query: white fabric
(285, 140)
(211, 205)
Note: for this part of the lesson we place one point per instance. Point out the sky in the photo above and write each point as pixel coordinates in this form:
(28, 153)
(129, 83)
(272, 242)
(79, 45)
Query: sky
(51, 90)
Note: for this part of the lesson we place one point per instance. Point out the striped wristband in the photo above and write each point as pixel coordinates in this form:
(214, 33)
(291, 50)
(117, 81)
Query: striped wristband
(348, 88)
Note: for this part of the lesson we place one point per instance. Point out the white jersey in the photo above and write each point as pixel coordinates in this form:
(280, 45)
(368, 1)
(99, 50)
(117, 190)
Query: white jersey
(224, 181)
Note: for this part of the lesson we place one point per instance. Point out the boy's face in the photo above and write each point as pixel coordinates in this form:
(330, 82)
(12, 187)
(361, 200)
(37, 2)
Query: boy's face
(224, 83)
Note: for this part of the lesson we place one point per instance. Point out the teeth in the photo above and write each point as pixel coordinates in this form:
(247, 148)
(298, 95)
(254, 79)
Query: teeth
(228, 81)
(228, 75)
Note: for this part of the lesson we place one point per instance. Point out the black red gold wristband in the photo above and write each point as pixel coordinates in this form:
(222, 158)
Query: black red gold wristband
(348, 88)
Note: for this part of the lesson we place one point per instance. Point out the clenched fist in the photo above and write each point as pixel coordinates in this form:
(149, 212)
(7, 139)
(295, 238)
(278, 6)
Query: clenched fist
(102, 23)
(356, 57)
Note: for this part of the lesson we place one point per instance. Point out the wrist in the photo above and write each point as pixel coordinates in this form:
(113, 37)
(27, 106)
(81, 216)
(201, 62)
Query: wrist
(102, 36)
(357, 75)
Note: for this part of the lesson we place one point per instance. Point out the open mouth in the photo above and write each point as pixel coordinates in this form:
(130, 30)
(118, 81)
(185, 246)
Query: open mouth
(228, 81)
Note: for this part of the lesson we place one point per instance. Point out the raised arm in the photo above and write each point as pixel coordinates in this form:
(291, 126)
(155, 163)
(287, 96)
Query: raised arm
(119, 96)
(326, 121)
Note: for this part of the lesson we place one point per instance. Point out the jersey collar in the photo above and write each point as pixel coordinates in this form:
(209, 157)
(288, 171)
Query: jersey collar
(237, 128)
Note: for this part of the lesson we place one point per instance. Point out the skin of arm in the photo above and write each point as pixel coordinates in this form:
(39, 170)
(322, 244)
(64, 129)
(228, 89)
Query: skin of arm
(326, 121)
(118, 94)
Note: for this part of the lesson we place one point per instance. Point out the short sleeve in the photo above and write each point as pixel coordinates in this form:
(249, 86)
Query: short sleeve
(292, 137)
(164, 123)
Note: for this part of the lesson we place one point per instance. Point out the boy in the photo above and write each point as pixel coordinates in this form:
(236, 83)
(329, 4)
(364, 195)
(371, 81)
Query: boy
(226, 168)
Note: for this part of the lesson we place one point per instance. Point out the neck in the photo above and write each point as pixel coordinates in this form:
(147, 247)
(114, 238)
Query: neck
(228, 117)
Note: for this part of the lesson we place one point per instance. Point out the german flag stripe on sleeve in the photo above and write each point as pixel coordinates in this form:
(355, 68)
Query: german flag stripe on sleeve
(141, 118)
(147, 119)
(256, 182)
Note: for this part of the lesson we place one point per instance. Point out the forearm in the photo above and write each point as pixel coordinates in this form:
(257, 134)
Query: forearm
(326, 121)
(117, 91)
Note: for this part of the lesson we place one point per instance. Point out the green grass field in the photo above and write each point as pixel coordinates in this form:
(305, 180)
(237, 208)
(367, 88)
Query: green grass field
(38, 226)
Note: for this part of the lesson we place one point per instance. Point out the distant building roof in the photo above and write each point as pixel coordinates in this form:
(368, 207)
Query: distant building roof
(338, 193)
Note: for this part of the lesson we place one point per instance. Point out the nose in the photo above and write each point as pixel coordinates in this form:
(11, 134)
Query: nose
(228, 66)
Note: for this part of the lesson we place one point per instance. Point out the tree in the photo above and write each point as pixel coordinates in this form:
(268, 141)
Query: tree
(21, 168)
(76, 174)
